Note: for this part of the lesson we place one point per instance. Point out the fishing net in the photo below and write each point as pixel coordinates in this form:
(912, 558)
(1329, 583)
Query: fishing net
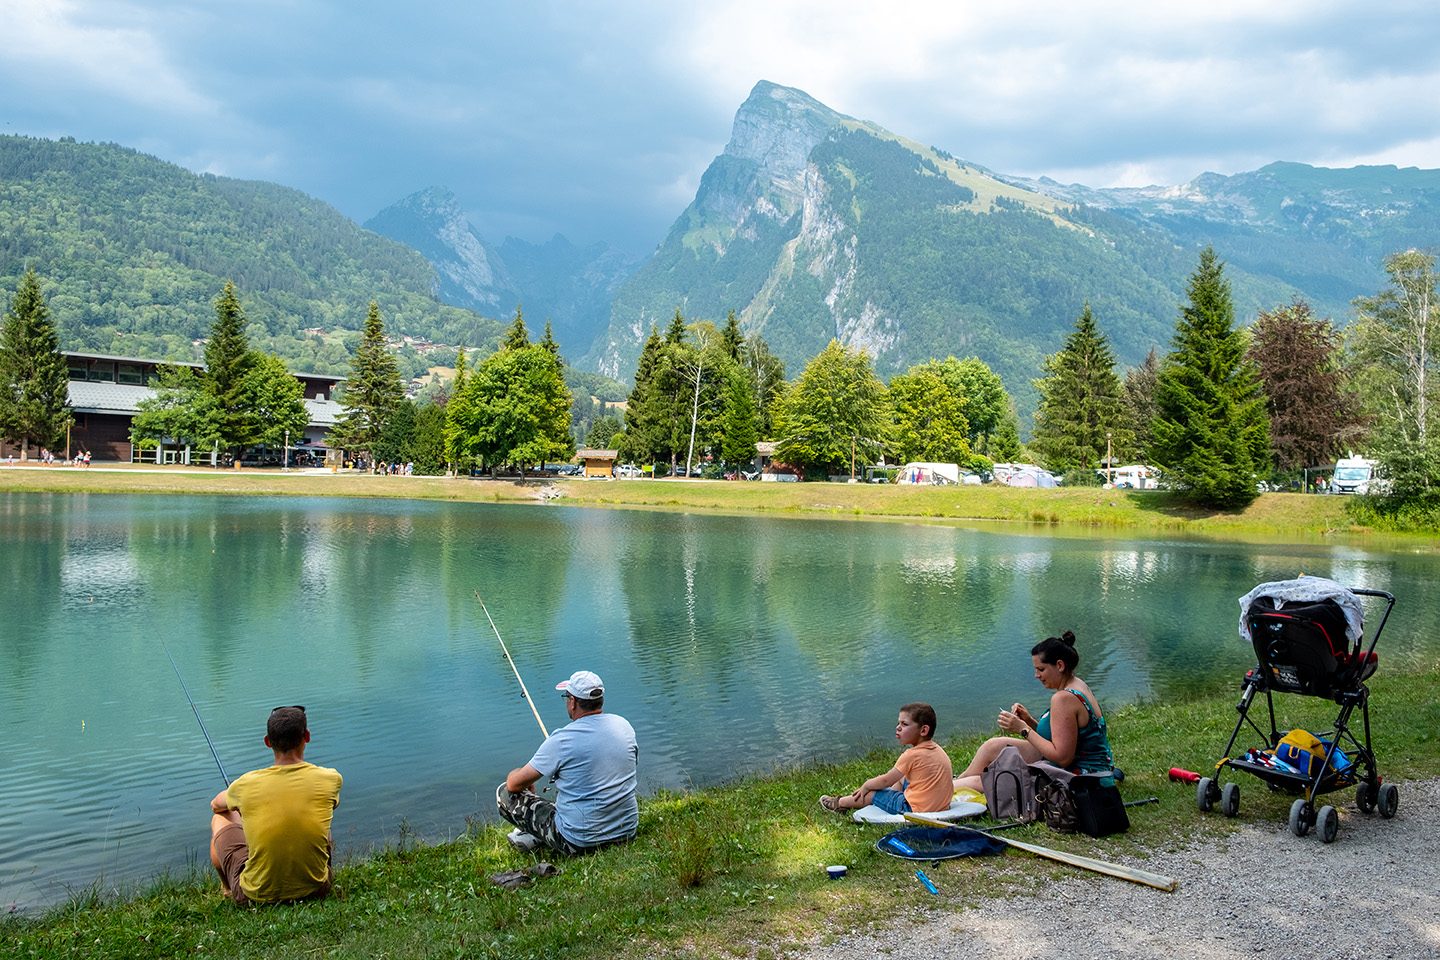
(938, 843)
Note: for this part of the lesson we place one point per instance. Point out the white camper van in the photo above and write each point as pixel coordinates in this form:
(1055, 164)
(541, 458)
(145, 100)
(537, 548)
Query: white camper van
(1353, 475)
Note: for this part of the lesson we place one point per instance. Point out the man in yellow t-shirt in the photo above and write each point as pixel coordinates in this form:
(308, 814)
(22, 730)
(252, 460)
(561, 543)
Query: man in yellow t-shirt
(282, 850)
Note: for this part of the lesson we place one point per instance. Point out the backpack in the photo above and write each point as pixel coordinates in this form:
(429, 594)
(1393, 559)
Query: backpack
(1089, 803)
(1009, 787)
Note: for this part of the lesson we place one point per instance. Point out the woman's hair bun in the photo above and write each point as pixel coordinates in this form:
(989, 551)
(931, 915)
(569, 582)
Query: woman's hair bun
(1069, 637)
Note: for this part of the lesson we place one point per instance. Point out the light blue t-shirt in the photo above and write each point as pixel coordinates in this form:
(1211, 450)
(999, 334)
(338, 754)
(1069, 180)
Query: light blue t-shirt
(592, 762)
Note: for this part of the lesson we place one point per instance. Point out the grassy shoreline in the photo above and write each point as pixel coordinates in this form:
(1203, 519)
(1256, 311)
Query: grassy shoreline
(735, 870)
(1297, 517)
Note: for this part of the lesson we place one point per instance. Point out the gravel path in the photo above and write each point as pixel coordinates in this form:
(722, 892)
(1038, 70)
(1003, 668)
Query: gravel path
(1370, 894)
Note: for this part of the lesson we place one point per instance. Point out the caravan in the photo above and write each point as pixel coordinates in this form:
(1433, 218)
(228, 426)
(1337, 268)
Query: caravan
(938, 474)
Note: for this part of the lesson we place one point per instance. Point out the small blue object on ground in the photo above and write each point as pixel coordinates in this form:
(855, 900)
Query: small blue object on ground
(920, 875)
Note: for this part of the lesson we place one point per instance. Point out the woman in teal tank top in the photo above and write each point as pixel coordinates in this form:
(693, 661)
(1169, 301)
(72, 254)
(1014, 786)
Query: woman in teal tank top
(1070, 734)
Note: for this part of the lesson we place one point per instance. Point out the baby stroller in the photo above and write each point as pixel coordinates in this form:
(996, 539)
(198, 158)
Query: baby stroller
(1308, 640)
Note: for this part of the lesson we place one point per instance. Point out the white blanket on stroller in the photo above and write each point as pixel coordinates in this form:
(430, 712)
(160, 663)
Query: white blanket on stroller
(1307, 590)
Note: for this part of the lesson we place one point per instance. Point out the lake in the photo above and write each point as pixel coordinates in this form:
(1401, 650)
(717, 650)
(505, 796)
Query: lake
(733, 644)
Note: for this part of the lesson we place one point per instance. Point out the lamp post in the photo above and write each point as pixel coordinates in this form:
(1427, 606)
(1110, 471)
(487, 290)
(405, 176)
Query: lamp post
(1109, 459)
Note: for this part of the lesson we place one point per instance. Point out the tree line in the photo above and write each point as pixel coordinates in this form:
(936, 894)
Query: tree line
(1226, 409)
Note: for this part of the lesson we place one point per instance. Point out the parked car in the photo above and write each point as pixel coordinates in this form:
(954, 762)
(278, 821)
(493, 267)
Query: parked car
(628, 471)
(568, 470)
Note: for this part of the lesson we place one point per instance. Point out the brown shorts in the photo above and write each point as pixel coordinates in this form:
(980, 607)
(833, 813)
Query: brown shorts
(233, 852)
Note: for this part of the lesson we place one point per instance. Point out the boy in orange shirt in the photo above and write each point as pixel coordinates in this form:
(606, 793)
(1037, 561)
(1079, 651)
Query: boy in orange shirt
(923, 771)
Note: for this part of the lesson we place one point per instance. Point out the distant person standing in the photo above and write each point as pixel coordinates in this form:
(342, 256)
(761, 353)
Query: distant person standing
(281, 851)
(592, 761)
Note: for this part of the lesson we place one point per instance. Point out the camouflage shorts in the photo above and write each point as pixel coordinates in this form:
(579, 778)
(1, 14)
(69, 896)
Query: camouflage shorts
(536, 816)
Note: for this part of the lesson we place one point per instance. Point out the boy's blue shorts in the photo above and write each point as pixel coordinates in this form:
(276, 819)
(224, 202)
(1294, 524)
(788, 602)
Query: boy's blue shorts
(891, 801)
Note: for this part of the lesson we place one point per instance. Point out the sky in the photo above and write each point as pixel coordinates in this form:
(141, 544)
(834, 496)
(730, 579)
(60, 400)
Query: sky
(596, 120)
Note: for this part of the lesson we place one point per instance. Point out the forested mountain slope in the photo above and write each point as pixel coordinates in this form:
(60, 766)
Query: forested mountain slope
(133, 251)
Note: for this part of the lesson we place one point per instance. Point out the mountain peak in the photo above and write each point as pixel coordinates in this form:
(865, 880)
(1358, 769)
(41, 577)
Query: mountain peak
(777, 127)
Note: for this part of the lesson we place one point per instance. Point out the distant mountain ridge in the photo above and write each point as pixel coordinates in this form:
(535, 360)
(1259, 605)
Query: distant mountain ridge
(570, 286)
(133, 250)
(812, 225)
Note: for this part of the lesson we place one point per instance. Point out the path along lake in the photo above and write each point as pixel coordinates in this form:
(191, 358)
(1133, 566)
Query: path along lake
(733, 644)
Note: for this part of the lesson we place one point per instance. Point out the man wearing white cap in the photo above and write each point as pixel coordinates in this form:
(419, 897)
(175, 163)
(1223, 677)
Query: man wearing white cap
(592, 762)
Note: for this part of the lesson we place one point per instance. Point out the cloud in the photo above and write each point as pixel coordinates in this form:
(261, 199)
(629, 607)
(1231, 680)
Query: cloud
(103, 54)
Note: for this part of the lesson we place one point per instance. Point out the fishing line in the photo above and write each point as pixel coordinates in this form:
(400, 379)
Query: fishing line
(225, 776)
(513, 668)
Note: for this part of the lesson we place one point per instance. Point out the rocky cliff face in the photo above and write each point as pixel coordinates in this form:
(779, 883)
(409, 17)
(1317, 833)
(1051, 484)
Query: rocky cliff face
(469, 273)
(571, 287)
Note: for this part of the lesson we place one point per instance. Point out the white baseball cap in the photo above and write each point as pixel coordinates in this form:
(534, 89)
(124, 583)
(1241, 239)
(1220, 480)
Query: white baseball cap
(582, 685)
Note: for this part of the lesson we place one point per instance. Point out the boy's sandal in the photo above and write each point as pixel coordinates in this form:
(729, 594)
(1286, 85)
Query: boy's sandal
(831, 804)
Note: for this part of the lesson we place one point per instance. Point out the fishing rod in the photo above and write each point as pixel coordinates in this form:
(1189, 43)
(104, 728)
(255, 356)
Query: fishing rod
(224, 776)
(513, 668)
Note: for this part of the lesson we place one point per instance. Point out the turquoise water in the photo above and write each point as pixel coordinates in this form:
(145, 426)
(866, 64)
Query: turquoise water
(732, 644)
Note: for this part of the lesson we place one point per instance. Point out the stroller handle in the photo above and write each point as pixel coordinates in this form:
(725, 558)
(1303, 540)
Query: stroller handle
(1389, 599)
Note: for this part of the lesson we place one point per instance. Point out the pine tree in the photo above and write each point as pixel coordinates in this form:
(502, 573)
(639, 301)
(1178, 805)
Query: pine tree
(548, 341)
(34, 380)
(457, 416)
(1140, 408)
(642, 440)
(740, 426)
(373, 390)
(675, 333)
(234, 424)
(1080, 417)
(1212, 436)
(518, 338)
(731, 337)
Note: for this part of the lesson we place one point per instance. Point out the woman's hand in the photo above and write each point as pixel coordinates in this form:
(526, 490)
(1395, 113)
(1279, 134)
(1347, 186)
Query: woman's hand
(1020, 711)
(1010, 723)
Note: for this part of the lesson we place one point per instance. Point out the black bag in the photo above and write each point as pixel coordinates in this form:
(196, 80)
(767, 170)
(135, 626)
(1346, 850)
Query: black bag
(1054, 800)
(1008, 787)
(1099, 808)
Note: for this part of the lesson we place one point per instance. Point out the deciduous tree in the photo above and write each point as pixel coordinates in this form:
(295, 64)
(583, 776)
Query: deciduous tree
(34, 381)
(1212, 436)
(928, 417)
(835, 412)
(1396, 342)
(1313, 415)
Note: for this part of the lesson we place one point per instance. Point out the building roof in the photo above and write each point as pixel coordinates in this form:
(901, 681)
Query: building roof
(592, 454)
(151, 361)
(124, 398)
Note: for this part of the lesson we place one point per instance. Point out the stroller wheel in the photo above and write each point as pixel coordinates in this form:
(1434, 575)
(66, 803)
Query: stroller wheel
(1327, 823)
(1365, 797)
(1206, 793)
(1300, 818)
(1389, 800)
(1230, 799)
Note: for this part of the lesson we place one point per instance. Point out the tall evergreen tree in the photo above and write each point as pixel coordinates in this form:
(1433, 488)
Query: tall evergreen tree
(1212, 436)
(1140, 407)
(731, 337)
(642, 440)
(372, 392)
(740, 427)
(517, 338)
(1312, 412)
(548, 341)
(457, 415)
(1080, 417)
(835, 413)
(34, 381)
(675, 333)
(227, 363)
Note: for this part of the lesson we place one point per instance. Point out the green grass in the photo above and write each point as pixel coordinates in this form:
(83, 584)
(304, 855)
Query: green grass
(1292, 516)
(737, 870)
